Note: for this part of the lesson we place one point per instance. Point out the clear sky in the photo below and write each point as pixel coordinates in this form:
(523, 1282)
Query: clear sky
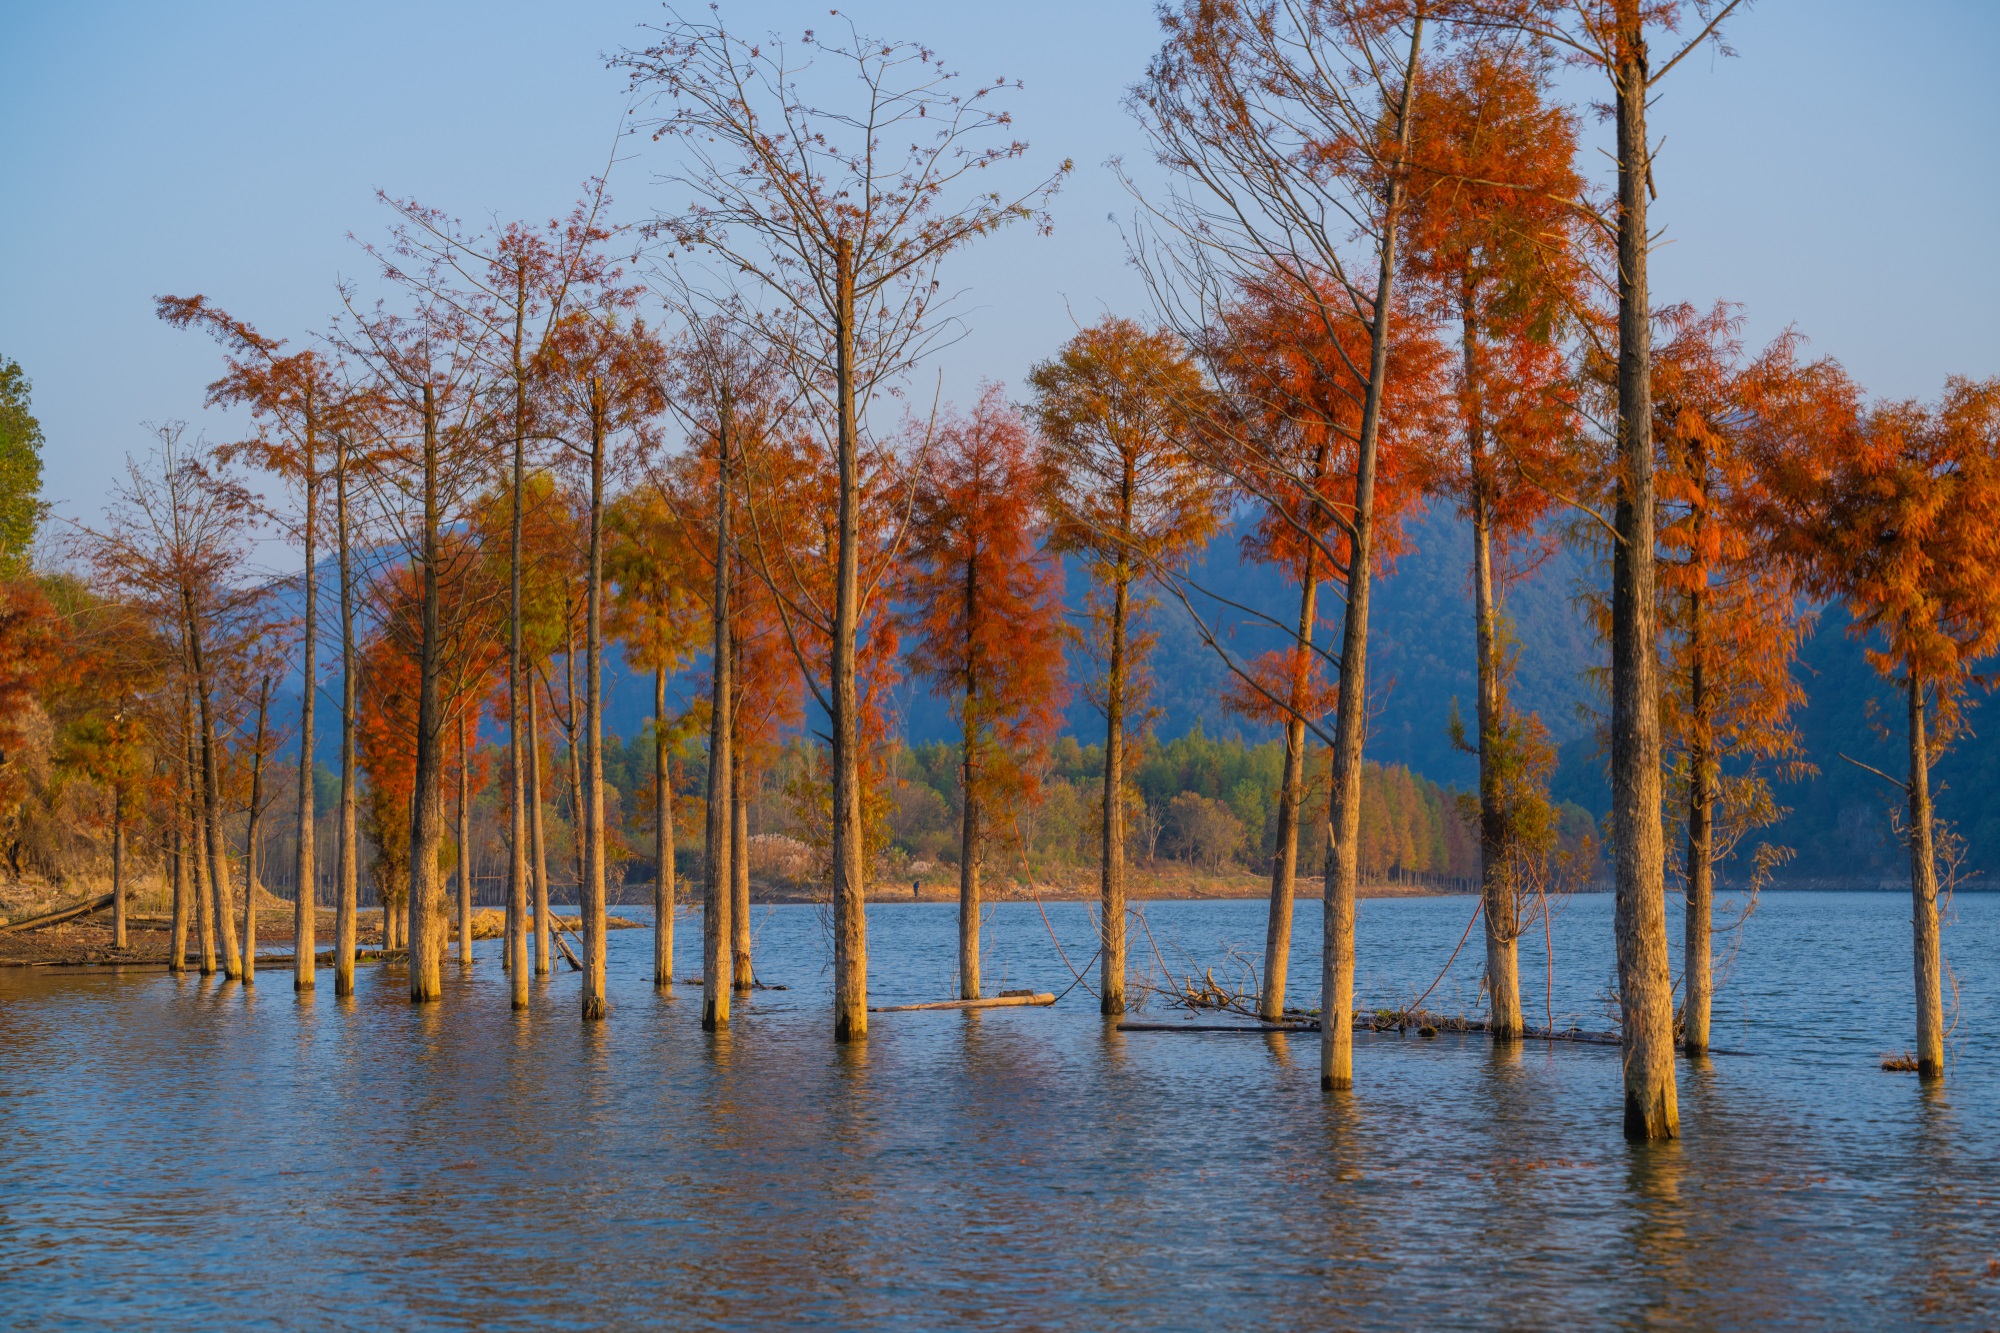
(1839, 174)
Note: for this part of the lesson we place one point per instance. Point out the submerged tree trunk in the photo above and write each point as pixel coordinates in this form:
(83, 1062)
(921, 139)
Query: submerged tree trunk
(1291, 794)
(969, 980)
(305, 896)
(718, 894)
(663, 838)
(118, 937)
(1111, 871)
(742, 976)
(1928, 951)
(253, 839)
(595, 1002)
(464, 847)
(1697, 965)
(1496, 874)
(211, 801)
(204, 909)
(1336, 1048)
(347, 869)
(516, 948)
(540, 844)
(426, 896)
(1645, 986)
(850, 870)
(177, 931)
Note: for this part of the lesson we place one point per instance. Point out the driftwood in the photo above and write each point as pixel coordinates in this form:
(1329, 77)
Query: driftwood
(59, 915)
(996, 1002)
(1218, 1027)
(557, 936)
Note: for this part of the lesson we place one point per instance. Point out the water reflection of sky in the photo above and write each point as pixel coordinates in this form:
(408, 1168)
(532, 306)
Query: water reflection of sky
(178, 1150)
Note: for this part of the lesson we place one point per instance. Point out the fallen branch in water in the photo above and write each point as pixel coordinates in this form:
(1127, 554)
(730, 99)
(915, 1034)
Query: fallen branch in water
(996, 1002)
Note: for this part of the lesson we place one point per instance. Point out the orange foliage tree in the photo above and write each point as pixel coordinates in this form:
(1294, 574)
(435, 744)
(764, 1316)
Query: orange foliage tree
(982, 608)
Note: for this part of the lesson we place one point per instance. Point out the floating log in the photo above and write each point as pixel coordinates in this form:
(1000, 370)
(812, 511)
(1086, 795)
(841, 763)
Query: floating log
(1218, 1027)
(996, 1002)
(59, 915)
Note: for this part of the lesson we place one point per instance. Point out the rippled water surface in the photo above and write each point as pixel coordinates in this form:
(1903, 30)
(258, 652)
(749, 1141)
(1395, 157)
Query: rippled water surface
(175, 1151)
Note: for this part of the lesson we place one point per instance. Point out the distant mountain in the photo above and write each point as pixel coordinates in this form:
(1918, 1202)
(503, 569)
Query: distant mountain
(1420, 661)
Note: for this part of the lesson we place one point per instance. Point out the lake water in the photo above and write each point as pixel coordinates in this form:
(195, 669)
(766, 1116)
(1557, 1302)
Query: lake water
(175, 1151)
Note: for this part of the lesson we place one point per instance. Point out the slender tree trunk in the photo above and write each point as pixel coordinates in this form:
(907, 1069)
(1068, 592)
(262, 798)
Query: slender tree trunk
(211, 801)
(850, 870)
(464, 847)
(742, 976)
(573, 761)
(1697, 965)
(1336, 1050)
(717, 892)
(1111, 878)
(253, 836)
(426, 897)
(347, 868)
(1291, 794)
(177, 937)
(1645, 986)
(204, 910)
(118, 935)
(516, 949)
(595, 1002)
(1929, 953)
(305, 897)
(540, 843)
(663, 838)
(969, 980)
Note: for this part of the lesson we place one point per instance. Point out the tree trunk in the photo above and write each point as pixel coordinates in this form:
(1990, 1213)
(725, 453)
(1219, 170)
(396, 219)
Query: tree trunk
(717, 893)
(516, 948)
(347, 867)
(1645, 987)
(426, 896)
(850, 870)
(253, 850)
(204, 908)
(540, 844)
(663, 838)
(305, 896)
(1929, 953)
(211, 801)
(118, 938)
(1496, 875)
(1111, 872)
(742, 976)
(968, 846)
(1291, 793)
(177, 932)
(464, 847)
(595, 1002)
(1697, 965)
(1336, 1047)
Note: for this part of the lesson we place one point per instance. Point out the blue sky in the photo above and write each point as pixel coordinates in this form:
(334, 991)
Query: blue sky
(1838, 175)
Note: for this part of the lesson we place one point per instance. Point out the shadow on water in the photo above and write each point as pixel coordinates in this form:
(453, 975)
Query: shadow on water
(179, 1149)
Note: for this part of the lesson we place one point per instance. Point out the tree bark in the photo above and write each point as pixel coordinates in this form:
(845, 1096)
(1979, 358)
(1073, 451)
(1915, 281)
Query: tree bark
(1496, 874)
(1336, 1048)
(1928, 952)
(1291, 794)
(426, 939)
(596, 1004)
(464, 847)
(1111, 872)
(204, 908)
(118, 938)
(211, 801)
(663, 838)
(850, 871)
(253, 850)
(305, 897)
(517, 843)
(1645, 988)
(347, 869)
(1697, 964)
(718, 896)
(968, 837)
(177, 932)
(742, 975)
(541, 847)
